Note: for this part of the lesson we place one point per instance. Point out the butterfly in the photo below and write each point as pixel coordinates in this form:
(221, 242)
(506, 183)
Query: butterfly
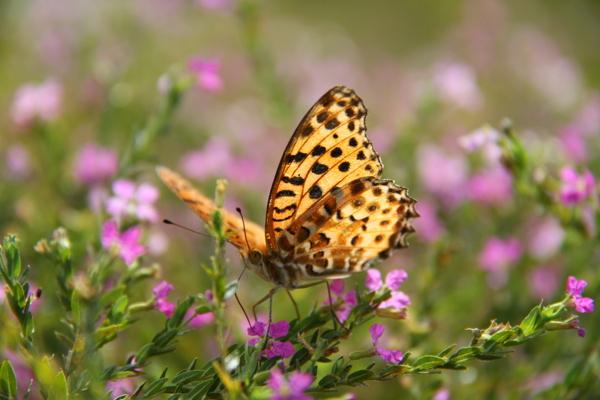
(329, 214)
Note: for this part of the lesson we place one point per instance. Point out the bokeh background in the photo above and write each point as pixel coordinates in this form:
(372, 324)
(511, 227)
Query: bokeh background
(430, 73)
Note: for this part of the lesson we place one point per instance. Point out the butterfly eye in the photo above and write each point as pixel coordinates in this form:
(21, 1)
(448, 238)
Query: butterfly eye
(255, 256)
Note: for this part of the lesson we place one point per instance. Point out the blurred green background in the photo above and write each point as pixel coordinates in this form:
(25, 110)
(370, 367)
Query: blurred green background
(429, 73)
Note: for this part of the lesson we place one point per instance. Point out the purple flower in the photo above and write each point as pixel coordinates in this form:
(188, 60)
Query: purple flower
(126, 243)
(129, 201)
(573, 144)
(545, 236)
(373, 282)
(457, 84)
(212, 160)
(491, 186)
(161, 291)
(394, 278)
(575, 187)
(398, 300)
(442, 173)
(95, 164)
(390, 356)
(207, 73)
(575, 287)
(292, 388)
(274, 348)
(543, 281)
(497, 256)
(33, 102)
(18, 162)
(429, 227)
(584, 304)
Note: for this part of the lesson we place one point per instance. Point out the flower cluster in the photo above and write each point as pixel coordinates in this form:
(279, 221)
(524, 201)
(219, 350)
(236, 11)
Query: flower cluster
(575, 289)
(125, 244)
(344, 302)
(129, 201)
(393, 280)
(274, 347)
(389, 356)
(161, 291)
(575, 187)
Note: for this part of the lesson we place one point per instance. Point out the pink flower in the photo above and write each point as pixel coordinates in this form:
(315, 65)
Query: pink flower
(573, 144)
(207, 73)
(429, 227)
(497, 256)
(212, 160)
(575, 287)
(274, 348)
(95, 164)
(373, 282)
(491, 187)
(33, 102)
(442, 174)
(126, 243)
(18, 162)
(348, 300)
(575, 187)
(398, 301)
(479, 138)
(394, 278)
(214, 4)
(457, 84)
(543, 281)
(129, 201)
(199, 320)
(389, 356)
(441, 394)
(545, 236)
(120, 387)
(292, 388)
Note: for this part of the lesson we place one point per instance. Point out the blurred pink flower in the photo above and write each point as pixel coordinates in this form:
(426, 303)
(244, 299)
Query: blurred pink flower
(119, 387)
(457, 84)
(575, 187)
(491, 187)
(207, 73)
(18, 162)
(126, 243)
(212, 160)
(292, 388)
(394, 278)
(588, 118)
(157, 243)
(348, 300)
(442, 174)
(95, 164)
(130, 201)
(215, 4)
(573, 144)
(33, 102)
(497, 256)
(199, 320)
(486, 140)
(398, 301)
(544, 237)
(441, 394)
(429, 227)
(543, 281)
(373, 281)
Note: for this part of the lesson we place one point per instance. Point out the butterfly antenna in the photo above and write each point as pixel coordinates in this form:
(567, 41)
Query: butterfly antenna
(169, 222)
(239, 210)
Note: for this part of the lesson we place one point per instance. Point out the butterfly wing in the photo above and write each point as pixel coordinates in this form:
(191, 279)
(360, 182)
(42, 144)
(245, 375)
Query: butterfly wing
(203, 206)
(346, 231)
(328, 150)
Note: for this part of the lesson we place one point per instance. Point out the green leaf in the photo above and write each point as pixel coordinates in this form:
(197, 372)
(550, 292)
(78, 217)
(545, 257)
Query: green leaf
(465, 354)
(498, 339)
(60, 386)
(530, 322)
(13, 258)
(199, 390)
(8, 379)
(251, 364)
(75, 309)
(393, 370)
(446, 351)
(329, 381)
(187, 377)
(428, 362)
(360, 376)
(155, 387)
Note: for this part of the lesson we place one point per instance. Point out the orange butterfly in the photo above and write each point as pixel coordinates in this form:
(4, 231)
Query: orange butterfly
(329, 215)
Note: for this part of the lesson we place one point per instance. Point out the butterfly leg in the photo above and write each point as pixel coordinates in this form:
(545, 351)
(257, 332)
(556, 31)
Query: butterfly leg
(334, 315)
(295, 304)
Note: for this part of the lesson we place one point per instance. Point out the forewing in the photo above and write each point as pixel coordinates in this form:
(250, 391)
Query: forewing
(346, 231)
(328, 150)
(203, 206)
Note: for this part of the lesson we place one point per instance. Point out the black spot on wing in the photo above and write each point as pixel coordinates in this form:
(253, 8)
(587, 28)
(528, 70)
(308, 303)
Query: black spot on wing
(315, 192)
(285, 193)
